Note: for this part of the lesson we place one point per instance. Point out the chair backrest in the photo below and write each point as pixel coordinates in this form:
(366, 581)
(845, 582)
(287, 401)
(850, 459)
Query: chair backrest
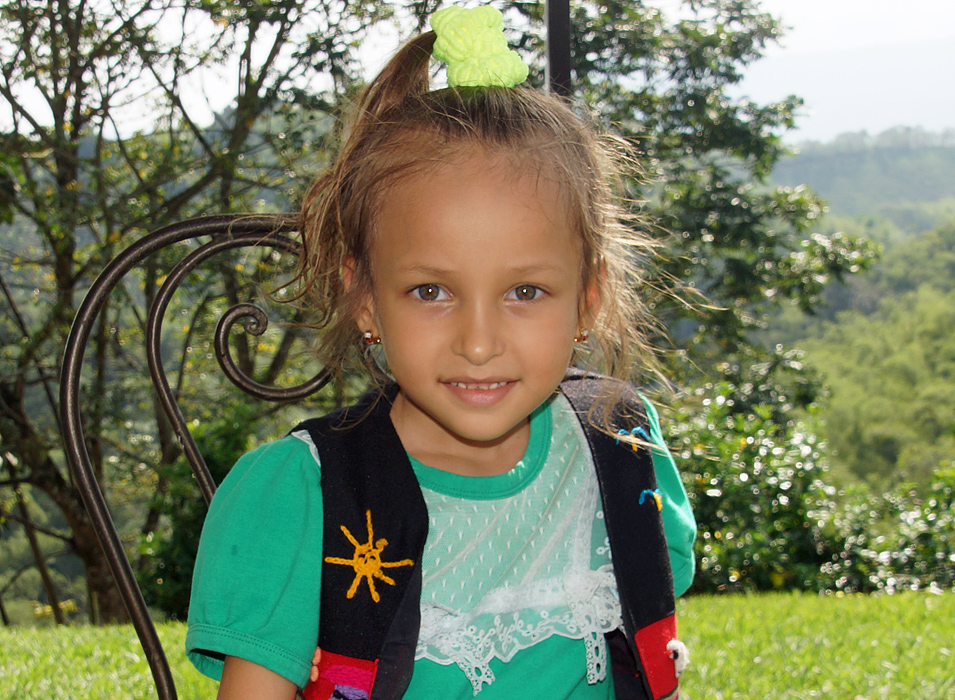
(209, 237)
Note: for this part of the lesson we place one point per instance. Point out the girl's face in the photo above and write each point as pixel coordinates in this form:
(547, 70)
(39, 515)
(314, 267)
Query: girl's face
(477, 297)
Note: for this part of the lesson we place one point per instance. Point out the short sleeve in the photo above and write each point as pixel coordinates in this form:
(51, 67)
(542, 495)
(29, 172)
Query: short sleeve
(678, 521)
(256, 585)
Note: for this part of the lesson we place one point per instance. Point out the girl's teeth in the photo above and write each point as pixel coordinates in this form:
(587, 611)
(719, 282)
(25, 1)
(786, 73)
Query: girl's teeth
(479, 387)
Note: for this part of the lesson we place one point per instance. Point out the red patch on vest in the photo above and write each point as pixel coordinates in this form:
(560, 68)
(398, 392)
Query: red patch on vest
(660, 668)
(342, 678)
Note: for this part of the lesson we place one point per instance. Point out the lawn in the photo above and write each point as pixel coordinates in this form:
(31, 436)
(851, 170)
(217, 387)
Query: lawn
(772, 647)
(784, 647)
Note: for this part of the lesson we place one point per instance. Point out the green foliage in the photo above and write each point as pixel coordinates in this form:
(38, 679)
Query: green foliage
(891, 417)
(893, 541)
(885, 346)
(170, 554)
(758, 493)
(779, 646)
(925, 259)
(883, 175)
(769, 519)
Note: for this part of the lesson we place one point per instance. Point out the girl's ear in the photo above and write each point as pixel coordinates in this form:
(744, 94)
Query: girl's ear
(590, 301)
(365, 308)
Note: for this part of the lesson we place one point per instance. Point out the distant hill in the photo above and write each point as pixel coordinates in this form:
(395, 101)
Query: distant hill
(885, 340)
(889, 175)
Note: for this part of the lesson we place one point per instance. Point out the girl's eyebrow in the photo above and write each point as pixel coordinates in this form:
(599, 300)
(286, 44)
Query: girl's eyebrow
(518, 270)
(425, 269)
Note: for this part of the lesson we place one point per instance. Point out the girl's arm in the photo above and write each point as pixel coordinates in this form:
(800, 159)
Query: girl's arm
(678, 520)
(244, 680)
(257, 580)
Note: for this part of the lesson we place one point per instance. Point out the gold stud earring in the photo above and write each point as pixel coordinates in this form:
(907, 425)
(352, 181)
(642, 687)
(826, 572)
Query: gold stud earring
(371, 338)
(582, 336)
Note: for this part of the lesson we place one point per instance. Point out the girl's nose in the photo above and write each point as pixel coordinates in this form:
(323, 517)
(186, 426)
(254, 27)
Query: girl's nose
(479, 337)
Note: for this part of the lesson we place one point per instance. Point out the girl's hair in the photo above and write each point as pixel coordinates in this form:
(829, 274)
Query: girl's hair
(400, 127)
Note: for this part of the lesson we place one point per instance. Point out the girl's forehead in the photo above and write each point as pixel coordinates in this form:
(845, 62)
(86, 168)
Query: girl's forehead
(429, 164)
(476, 211)
(427, 169)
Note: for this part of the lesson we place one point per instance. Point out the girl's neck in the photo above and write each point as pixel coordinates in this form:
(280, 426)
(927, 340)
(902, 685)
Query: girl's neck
(435, 447)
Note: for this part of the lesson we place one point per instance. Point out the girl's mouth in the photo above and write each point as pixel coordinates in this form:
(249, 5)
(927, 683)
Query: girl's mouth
(478, 386)
(480, 394)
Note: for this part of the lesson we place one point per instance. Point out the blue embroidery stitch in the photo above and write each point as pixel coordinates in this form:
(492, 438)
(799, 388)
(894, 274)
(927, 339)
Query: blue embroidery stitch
(636, 432)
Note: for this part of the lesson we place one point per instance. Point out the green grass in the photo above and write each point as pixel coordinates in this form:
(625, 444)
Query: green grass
(787, 646)
(771, 647)
(91, 663)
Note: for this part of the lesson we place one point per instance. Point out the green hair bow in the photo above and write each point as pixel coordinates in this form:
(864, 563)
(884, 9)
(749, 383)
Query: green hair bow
(472, 43)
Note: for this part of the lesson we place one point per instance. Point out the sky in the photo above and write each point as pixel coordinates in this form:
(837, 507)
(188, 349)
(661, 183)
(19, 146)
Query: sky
(861, 65)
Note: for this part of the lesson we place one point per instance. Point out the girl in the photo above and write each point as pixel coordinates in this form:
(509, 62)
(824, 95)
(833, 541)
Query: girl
(452, 534)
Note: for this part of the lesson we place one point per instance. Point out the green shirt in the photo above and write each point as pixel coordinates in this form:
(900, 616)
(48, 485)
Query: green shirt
(256, 583)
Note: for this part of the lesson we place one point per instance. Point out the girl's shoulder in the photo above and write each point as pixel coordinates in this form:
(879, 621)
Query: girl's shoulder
(286, 465)
(599, 387)
(605, 400)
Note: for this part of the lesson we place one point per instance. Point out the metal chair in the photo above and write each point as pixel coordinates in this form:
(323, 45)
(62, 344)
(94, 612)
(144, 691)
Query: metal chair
(223, 233)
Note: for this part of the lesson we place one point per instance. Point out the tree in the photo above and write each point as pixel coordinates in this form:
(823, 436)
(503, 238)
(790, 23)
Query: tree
(83, 173)
(891, 417)
(759, 494)
(743, 245)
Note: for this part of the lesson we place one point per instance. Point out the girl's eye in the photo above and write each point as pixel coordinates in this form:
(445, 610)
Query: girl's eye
(430, 292)
(524, 292)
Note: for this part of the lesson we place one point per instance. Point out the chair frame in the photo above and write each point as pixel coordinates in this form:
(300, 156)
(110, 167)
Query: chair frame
(224, 233)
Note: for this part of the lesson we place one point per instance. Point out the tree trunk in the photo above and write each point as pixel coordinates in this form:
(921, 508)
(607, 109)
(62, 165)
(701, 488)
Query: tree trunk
(38, 557)
(105, 602)
(19, 438)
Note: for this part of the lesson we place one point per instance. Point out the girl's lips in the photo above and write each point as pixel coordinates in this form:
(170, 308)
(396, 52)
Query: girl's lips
(480, 394)
(478, 386)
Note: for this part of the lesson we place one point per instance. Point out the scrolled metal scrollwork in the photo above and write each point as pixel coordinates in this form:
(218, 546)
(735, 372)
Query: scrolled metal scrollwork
(224, 233)
(254, 319)
(231, 238)
(256, 322)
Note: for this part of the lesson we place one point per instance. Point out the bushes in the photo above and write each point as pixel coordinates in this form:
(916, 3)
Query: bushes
(768, 518)
(758, 494)
(170, 554)
(898, 540)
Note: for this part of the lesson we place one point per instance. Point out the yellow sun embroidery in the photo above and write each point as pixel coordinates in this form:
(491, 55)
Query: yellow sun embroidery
(367, 562)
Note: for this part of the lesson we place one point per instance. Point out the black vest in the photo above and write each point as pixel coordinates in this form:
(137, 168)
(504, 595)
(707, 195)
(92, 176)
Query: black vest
(376, 523)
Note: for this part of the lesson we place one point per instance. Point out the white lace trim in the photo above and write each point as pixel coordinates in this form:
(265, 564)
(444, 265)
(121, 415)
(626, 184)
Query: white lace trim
(584, 607)
(574, 602)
